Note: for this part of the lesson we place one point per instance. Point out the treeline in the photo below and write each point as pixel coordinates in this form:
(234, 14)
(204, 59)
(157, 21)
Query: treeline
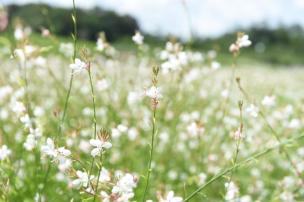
(58, 20)
(277, 45)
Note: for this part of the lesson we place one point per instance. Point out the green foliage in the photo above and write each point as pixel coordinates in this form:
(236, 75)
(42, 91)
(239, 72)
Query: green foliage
(59, 21)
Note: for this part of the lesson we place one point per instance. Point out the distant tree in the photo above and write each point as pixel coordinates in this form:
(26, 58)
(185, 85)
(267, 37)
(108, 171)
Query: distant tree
(90, 22)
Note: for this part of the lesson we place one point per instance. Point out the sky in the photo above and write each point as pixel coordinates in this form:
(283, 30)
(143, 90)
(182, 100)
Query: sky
(208, 18)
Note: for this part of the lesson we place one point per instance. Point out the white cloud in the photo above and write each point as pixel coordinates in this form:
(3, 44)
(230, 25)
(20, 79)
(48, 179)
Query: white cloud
(208, 17)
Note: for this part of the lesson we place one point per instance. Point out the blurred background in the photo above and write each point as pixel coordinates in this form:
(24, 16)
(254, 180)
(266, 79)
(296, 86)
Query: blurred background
(274, 26)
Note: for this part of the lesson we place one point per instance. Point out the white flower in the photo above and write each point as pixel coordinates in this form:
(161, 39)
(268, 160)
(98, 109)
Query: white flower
(19, 34)
(253, 110)
(104, 176)
(195, 129)
(20, 55)
(215, 65)
(67, 49)
(78, 66)
(225, 93)
(138, 38)
(18, 108)
(268, 101)
(30, 142)
(101, 44)
(35, 132)
(99, 145)
(49, 148)
(202, 178)
(171, 198)
(63, 151)
(238, 134)
(232, 191)
(4, 152)
(243, 41)
(64, 163)
(5, 91)
(124, 187)
(294, 123)
(83, 179)
(26, 120)
(105, 196)
(154, 93)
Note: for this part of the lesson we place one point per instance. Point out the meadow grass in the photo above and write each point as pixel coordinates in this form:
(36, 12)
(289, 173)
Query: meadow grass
(90, 122)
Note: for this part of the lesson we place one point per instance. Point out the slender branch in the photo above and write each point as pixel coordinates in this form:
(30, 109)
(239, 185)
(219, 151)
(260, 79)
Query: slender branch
(97, 183)
(94, 115)
(151, 154)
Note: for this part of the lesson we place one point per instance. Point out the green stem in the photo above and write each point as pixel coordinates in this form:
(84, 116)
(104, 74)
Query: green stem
(151, 154)
(68, 94)
(97, 183)
(249, 159)
(94, 116)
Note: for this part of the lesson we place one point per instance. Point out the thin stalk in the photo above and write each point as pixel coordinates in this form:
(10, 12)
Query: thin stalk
(94, 115)
(226, 101)
(251, 158)
(74, 17)
(151, 154)
(97, 183)
(238, 141)
(66, 102)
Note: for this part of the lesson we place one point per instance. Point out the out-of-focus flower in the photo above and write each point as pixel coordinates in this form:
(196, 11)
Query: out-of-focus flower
(20, 55)
(4, 152)
(123, 189)
(67, 49)
(154, 93)
(45, 32)
(3, 19)
(252, 110)
(49, 148)
(238, 134)
(171, 198)
(241, 42)
(104, 176)
(232, 191)
(21, 33)
(215, 65)
(83, 179)
(138, 38)
(78, 66)
(269, 101)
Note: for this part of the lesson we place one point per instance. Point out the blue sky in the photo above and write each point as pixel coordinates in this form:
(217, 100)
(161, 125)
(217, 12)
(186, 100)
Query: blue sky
(208, 17)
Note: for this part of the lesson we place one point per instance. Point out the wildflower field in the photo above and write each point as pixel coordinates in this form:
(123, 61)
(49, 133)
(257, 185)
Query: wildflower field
(83, 122)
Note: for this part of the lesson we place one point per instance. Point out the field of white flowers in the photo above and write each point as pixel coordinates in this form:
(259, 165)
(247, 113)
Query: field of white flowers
(170, 125)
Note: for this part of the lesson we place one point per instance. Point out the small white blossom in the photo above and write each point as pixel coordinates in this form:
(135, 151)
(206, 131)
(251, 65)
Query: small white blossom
(78, 66)
(124, 187)
(4, 152)
(49, 148)
(83, 179)
(252, 110)
(99, 145)
(154, 93)
(232, 191)
(138, 38)
(104, 176)
(171, 198)
(243, 41)
(268, 101)
(67, 49)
